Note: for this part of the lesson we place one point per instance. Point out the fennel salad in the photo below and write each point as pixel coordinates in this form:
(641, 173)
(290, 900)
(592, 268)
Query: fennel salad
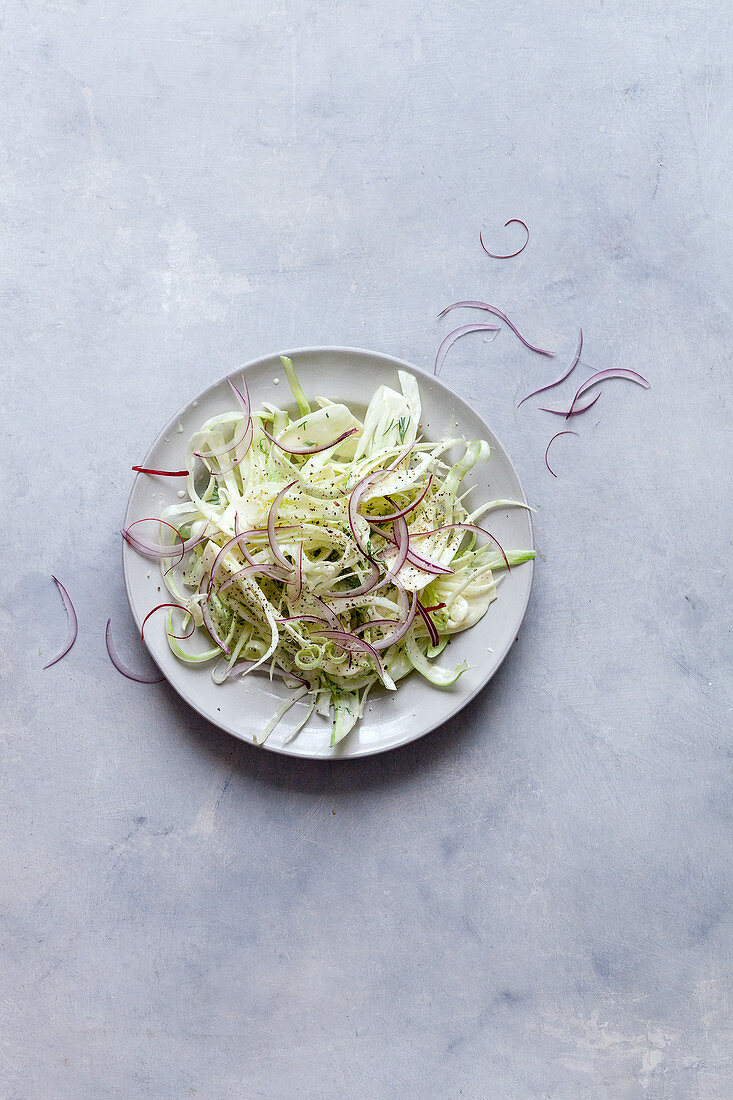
(334, 552)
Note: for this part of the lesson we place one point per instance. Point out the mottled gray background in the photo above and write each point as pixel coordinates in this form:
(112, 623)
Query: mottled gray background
(533, 901)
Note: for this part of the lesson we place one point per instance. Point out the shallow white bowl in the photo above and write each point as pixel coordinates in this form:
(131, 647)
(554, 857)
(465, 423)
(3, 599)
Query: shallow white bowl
(243, 707)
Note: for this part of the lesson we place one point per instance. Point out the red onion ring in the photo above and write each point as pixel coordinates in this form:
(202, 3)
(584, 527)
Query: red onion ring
(466, 527)
(238, 459)
(556, 436)
(613, 372)
(567, 374)
(348, 641)
(398, 634)
(272, 516)
(315, 449)
(456, 335)
(573, 412)
(158, 550)
(401, 456)
(502, 316)
(404, 512)
(244, 401)
(432, 631)
(159, 606)
(120, 665)
(239, 539)
(355, 500)
(402, 538)
(416, 559)
(510, 255)
(161, 473)
(427, 565)
(72, 622)
(209, 624)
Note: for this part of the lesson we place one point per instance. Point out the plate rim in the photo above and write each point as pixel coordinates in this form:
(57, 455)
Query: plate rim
(463, 700)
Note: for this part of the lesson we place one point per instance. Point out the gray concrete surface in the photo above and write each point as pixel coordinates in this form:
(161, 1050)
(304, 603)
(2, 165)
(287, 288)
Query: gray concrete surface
(535, 900)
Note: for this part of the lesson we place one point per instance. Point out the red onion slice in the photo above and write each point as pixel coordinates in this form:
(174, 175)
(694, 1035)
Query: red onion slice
(367, 586)
(209, 624)
(255, 532)
(239, 539)
(432, 631)
(348, 641)
(404, 512)
(567, 374)
(435, 607)
(244, 401)
(158, 550)
(402, 538)
(427, 565)
(120, 665)
(502, 316)
(573, 412)
(238, 458)
(402, 456)
(556, 436)
(315, 449)
(418, 560)
(72, 621)
(161, 473)
(466, 527)
(355, 500)
(509, 255)
(613, 372)
(402, 628)
(157, 608)
(456, 335)
(329, 613)
(272, 517)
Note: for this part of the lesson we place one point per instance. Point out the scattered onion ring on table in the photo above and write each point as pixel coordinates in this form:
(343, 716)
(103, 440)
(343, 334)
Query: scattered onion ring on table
(296, 552)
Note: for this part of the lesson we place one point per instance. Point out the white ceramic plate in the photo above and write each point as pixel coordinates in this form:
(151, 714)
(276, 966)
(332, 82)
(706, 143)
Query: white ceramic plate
(243, 707)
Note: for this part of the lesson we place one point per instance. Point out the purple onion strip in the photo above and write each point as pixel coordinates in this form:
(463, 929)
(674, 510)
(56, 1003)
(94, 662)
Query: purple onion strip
(434, 636)
(276, 551)
(556, 436)
(456, 335)
(120, 665)
(567, 374)
(315, 449)
(502, 316)
(405, 511)
(244, 401)
(602, 375)
(576, 411)
(72, 621)
(349, 641)
(466, 527)
(510, 255)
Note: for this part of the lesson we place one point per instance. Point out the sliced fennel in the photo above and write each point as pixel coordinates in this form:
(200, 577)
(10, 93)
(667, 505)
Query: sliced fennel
(304, 527)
